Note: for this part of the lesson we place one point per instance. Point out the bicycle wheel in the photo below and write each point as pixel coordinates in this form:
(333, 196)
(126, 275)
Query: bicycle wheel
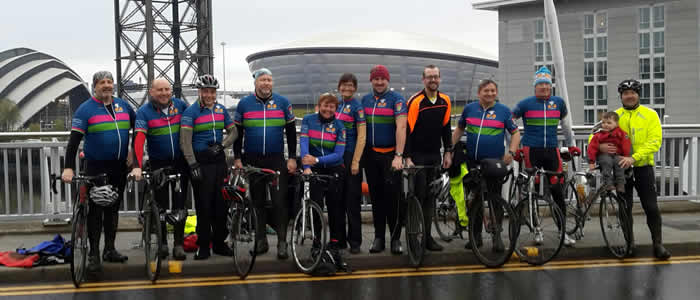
(574, 209)
(243, 239)
(496, 249)
(541, 231)
(79, 238)
(614, 221)
(446, 219)
(309, 237)
(415, 231)
(152, 238)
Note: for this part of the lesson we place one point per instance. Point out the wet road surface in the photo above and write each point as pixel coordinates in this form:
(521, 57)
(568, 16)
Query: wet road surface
(641, 278)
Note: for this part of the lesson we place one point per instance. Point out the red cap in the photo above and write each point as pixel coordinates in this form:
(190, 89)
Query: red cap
(379, 71)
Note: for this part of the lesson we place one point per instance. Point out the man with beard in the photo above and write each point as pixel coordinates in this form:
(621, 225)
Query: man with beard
(263, 119)
(428, 128)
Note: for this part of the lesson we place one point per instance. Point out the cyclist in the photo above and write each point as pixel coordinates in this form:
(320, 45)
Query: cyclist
(383, 156)
(104, 121)
(202, 144)
(158, 123)
(428, 129)
(352, 114)
(262, 119)
(644, 129)
(541, 115)
(322, 144)
(485, 123)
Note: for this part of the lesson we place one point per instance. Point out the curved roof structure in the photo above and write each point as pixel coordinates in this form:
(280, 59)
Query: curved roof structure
(382, 42)
(34, 79)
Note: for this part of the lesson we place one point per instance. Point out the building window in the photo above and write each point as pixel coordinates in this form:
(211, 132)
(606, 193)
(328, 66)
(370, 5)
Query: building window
(659, 42)
(659, 68)
(539, 51)
(662, 113)
(588, 118)
(644, 18)
(659, 93)
(601, 112)
(644, 43)
(588, 95)
(588, 24)
(602, 71)
(548, 50)
(644, 68)
(602, 46)
(602, 95)
(554, 73)
(602, 22)
(539, 29)
(644, 97)
(658, 17)
(588, 48)
(588, 74)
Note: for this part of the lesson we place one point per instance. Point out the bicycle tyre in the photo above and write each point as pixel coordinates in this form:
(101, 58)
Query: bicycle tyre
(152, 230)
(244, 239)
(79, 238)
(542, 254)
(415, 232)
(496, 258)
(613, 227)
(304, 234)
(445, 218)
(574, 211)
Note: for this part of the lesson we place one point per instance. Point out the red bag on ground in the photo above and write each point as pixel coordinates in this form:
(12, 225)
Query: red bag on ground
(190, 243)
(14, 259)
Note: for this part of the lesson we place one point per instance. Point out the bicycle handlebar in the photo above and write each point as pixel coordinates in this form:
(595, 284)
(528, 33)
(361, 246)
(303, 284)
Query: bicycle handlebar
(77, 178)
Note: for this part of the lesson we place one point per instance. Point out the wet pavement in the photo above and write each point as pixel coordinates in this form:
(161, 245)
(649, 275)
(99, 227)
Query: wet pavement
(599, 279)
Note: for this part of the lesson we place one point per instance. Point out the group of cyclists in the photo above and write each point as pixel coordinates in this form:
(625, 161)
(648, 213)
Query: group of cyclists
(381, 133)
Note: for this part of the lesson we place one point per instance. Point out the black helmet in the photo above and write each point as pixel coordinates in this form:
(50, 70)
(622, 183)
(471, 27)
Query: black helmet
(207, 81)
(629, 84)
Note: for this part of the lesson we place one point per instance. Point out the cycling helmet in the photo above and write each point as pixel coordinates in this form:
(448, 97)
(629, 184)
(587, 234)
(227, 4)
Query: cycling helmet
(104, 195)
(629, 84)
(207, 81)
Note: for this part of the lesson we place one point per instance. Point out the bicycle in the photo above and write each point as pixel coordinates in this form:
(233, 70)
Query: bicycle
(446, 218)
(541, 220)
(151, 216)
(243, 219)
(490, 211)
(79, 234)
(614, 219)
(309, 230)
(415, 228)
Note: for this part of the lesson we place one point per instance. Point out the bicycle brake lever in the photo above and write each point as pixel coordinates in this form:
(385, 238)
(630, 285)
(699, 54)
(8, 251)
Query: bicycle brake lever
(177, 186)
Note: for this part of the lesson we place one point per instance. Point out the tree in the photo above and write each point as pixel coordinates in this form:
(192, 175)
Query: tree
(34, 127)
(59, 125)
(9, 115)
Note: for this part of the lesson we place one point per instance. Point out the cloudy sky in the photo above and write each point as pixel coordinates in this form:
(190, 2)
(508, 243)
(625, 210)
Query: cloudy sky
(81, 32)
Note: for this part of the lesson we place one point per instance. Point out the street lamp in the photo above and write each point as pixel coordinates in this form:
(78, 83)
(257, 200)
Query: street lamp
(223, 63)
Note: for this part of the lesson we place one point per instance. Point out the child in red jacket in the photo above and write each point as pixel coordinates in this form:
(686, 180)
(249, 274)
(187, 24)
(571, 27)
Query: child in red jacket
(609, 163)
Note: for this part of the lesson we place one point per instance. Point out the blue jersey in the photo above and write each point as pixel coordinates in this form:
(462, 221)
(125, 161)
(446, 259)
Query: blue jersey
(207, 124)
(352, 114)
(106, 135)
(162, 129)
(485, 130)
(325, 141)
(263, 123)
(541, 119)
(381, 112)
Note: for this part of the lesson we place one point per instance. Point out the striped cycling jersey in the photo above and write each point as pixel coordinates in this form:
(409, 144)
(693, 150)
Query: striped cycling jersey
(381, 112)
(323, 140)
(207, 124)
(352, 114)
(263, 123)
(106, 135)
(162, 129)
(541, 119)
(485, 129)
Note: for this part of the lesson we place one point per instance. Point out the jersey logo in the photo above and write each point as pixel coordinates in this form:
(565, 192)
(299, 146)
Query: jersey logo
(219, 110)
(552, 105)
(118, 109)
(398, 106)
(491, 115)
(344, 135)
(381, 103)
(346, 109)
(361, 113)
(271, 105)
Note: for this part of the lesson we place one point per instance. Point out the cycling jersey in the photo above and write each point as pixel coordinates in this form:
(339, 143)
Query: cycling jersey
(106, 135)
(643, 126)
(207, 124)
(324, 140)
(352, 114)
(162, 129)
(541, 119)
(485, 130)
(381, 112)
(264, 123)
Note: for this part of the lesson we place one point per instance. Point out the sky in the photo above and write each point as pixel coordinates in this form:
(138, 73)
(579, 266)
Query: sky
(81, 32)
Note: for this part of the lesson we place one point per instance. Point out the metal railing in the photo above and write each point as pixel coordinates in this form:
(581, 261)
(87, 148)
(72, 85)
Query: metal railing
(25, 168)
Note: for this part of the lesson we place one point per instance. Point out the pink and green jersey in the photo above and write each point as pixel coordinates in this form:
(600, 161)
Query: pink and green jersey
(106, 134)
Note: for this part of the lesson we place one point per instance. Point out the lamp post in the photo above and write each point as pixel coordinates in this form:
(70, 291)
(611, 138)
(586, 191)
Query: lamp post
(223, 63)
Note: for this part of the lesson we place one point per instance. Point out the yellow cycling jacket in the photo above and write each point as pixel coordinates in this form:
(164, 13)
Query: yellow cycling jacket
(644, 129)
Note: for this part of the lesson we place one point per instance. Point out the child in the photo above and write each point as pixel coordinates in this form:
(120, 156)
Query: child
(610, 133)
